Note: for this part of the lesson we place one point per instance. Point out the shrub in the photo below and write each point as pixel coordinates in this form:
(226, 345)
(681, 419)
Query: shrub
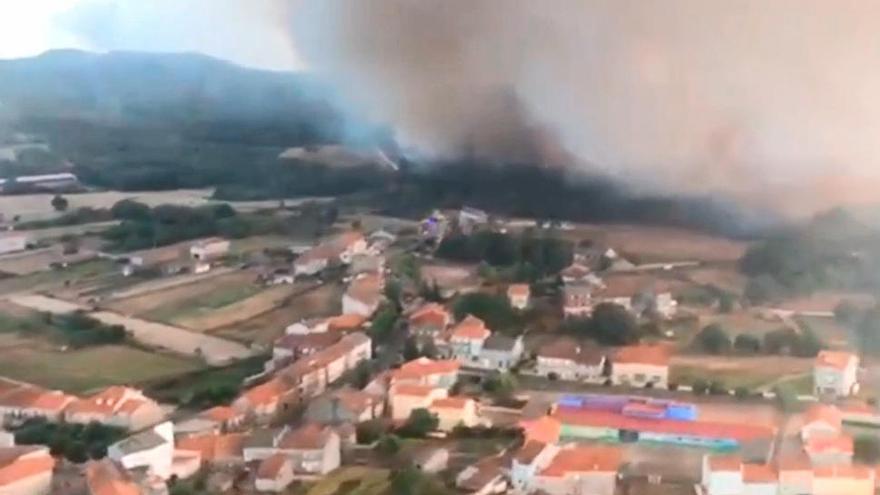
(741, 393)
(700, 386)
(713, 339)
(747, 344)
(717, 388)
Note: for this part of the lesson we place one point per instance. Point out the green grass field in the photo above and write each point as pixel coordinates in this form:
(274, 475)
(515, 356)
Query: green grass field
(354, 480)
(86, 369)
(204, 303)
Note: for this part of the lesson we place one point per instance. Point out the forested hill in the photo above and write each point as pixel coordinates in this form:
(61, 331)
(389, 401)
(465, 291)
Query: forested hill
(195, 94)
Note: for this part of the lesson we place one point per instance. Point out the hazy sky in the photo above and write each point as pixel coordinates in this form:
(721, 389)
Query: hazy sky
(251, 33)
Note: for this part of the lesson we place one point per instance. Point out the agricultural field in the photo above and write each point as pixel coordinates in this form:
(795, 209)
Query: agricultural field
(323, 300)
(233, 306)
(753, 373)
(38, 206)
(658, 244)
(158, 296)
(39, 260)
(73, 276)
(28, 356)
(726, 279)
(194, 306)
(353, 480)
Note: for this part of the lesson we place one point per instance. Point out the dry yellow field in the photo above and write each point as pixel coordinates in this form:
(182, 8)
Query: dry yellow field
(662, 243)
(243, 310)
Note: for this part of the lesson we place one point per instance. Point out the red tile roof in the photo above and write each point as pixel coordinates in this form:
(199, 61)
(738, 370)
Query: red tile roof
(834, 359)
(843, 471)
(214, 446)
(307, 437)
(271, 467)
(471, 328)
(345, 322)
(221, 414)
(266, 393)
(759, 473)
(430, 314)
(424, 367)
(829, 445)
(518, 290)
(655, 355)
(106, 402)
(585, 459)
(545, 429)
(20, 463)
(827, 413)
(33, 397)
(451, 403)
(572, 350)
(412, 390)
(725, 463)
(703, 429)
(366, 288)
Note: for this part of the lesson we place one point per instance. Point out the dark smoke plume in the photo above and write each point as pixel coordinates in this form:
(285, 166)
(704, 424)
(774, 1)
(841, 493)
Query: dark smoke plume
(771, 102)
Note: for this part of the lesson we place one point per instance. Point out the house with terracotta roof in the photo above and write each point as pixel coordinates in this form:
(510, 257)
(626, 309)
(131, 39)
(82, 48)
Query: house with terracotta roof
(263, 401)
(274, 474)
(313, 261)
(441, 373)
(568, 359)
(543, 429)
(218, 419)
(518, 296)
(105, 477)
(223, 449)
(581, 469)
(344, 406)
(150, 450)
(577, 300)
(120, 406)
(429, 321)
(829, 451)
(311, 374)
(21, 401)
(313, 449)
(289, 348)
(454, 411)
(209, 249)
(528, 461)
(349, 244)
(340, 323)
(405, 398)
(822, 420)
(641, 366)
(729, 475)
(466, 339)
(366, 263)
(26, 470)
(638, 293)
(835, 373)
(364, 294)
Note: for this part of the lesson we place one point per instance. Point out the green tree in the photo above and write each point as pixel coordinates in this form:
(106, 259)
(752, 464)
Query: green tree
(369, 431)
(129, 209)
(763, 288)
(713, 339)
(492, 309)
(382, 327)
(388, 445)
(610, 324)
(59, 203)
(700, 386)
(411, 349)
(501, 385)
(747, 344)
(420, 422)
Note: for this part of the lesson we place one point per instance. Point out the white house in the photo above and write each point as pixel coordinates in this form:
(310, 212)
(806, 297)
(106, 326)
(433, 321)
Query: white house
(822, 420)
(363, 295)
(467, 338)
(151, 449)
(518, 296)
(581, 469)
(530, 459)
(641, 366)
(312, 449)
(568, 359)
(835, 373)
(722, 475)
(454, 411)
(209, 249)
(406, 398)
(275, 474)
(312, 261)
(124, 407)
(577, 300)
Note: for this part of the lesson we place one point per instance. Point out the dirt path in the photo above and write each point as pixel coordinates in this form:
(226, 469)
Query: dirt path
(214, 350)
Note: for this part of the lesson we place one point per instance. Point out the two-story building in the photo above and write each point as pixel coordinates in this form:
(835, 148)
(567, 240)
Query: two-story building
(569, 359)
(429, 321)
(405, 398)
(313, 449)
(363, 295)
(641, 366)
(835, 374)
(467, 338)
(501, 352)
(151, 450)
(124, 407)
(518, 296)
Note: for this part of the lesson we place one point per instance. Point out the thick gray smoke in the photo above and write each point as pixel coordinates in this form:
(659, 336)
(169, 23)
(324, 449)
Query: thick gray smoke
(775, 102)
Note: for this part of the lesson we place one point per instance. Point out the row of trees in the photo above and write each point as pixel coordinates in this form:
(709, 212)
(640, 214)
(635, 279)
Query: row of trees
(77, 443)
(713, 339)
(77, 329)
(532, 255)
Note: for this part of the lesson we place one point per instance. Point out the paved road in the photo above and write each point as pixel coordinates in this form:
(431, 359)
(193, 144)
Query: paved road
(214, 350)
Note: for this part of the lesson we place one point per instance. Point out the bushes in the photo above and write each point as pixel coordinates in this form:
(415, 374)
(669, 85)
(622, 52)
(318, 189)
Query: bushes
(610, 324)
(534, 256)
(80, 330)
(866, 449)
(494, 310)
(713, 339)
(747, 344)
(420, 423)
(78, 443)
(369, 431)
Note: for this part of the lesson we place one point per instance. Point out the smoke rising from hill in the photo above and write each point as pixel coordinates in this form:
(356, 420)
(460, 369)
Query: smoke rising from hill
(774, 103)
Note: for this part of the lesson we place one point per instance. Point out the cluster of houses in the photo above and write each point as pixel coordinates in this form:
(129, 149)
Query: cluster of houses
(361, 254)
(823, 467)
(193, 257)
(116, 406)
